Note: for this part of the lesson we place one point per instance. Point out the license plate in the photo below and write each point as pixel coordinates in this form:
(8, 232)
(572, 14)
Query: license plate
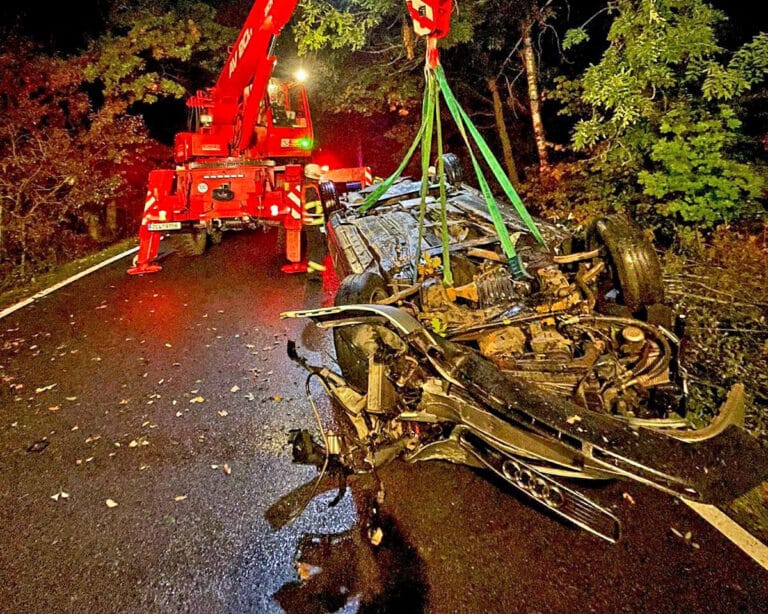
(164, 226)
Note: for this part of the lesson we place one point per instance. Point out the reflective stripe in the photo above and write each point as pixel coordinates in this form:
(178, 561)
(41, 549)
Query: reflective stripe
(313, 213)
(294, 198)
(150, 201)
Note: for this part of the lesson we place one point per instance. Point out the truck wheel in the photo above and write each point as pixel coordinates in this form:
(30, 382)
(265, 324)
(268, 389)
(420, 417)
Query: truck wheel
(216, 236)
(635, 270)
(189, 243)
(359, 288)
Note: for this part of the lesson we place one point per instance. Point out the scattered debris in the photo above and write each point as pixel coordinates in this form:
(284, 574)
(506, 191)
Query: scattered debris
(226, 469)
(573, 419)
(45, 388)
(234, 388)
(180, 497)
(60, 495)
(628, 498)
(111, 503)
(223, 413)
(38, 446)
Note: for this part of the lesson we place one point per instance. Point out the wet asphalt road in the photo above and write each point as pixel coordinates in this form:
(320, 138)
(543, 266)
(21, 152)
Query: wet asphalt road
(171, 395)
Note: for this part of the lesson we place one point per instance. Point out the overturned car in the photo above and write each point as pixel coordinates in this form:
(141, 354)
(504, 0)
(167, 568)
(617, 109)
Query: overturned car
(564, 366)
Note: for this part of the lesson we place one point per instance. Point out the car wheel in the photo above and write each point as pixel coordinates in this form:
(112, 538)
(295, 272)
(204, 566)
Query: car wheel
(329, 197)
(351, 355)
(454, 174)
(635, 269)
(189, 243)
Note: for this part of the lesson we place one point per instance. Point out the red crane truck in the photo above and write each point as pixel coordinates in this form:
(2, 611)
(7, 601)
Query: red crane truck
(243, 166)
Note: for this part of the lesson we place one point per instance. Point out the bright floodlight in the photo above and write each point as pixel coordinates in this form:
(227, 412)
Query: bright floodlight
(301, 75)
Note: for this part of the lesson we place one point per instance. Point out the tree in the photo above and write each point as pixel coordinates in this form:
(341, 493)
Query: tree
(156, 50)
(50, 171)
(662, 120)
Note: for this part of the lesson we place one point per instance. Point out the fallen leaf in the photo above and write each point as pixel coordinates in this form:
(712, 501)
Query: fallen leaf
(197, 400)
(226, 469)
(234, 388)
(54, 408)
(306, 571)
(573, 419)
(214, 466)
(71, 398)
(628, 498)
(168, 345)
(223, 413)
(180, 497)
(277, 398)
(44, 388)
(111, 503)
(133, 444)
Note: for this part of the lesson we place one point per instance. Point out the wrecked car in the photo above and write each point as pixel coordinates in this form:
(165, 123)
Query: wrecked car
(567, 366)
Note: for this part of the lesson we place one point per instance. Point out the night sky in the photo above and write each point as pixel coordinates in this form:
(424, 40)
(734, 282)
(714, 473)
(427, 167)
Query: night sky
(65, 26)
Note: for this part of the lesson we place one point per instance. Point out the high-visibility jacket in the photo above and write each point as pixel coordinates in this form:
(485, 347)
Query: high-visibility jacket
(312, 214)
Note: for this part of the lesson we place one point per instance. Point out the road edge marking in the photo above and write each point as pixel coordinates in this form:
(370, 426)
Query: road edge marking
(742, 538)
(27, 301)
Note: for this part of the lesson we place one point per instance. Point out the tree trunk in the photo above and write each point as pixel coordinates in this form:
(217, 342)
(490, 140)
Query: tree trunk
(23, 241)
(531, 71)
(501, 128)
(111, 221)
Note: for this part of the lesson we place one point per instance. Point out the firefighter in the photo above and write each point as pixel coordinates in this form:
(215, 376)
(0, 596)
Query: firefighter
(313, 221)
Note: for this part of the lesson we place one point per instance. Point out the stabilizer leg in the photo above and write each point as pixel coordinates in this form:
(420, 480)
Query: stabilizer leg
(149, 245)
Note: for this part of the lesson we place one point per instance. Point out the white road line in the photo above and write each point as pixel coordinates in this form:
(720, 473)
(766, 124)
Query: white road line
(733, 531)
(9, 310)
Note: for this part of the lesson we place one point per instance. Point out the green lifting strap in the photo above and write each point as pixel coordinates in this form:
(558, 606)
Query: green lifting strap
(459, 113)
(436, 84)
(427, 123)
(374, 196)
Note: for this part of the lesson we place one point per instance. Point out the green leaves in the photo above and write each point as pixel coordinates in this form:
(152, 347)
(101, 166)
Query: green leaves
(151, 53)
(656, 101)
(339, 25)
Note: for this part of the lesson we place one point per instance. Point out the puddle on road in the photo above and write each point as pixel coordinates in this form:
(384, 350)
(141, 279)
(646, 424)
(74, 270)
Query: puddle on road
(345, 572)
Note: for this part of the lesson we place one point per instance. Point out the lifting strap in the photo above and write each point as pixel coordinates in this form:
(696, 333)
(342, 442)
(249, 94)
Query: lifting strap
(437, 84)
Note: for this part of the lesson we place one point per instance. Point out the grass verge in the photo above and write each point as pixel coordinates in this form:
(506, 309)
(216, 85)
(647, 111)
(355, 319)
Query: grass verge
(18, 293)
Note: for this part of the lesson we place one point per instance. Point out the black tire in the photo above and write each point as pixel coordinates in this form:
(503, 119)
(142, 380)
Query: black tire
(355, 289)
(634, 266)
(454, 174)
(189, 244)
(216, 236)
(329, 197)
